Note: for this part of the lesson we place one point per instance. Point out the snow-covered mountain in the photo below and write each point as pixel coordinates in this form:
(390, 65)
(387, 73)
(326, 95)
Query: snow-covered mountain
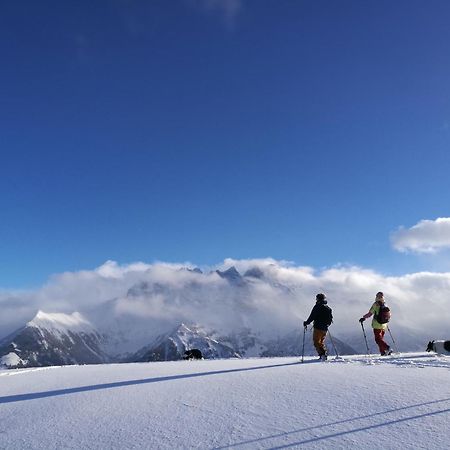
(171, 346)
(160, 315)
(61, 339)
(53, 339)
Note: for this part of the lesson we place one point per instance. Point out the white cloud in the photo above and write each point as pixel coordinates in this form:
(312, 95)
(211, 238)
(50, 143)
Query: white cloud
(168, 293)
(427, 236)
(110, 269)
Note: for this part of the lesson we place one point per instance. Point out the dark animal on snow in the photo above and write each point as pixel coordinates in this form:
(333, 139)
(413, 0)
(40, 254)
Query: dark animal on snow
(195, 353)
(441, 347)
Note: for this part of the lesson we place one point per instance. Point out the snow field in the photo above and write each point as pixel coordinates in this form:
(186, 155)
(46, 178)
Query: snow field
(402, 401)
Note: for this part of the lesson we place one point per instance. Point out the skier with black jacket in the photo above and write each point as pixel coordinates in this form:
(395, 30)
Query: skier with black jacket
(322, 316)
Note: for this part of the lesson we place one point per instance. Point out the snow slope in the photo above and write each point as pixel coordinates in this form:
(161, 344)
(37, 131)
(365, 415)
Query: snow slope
(351, 402)
(61, 323)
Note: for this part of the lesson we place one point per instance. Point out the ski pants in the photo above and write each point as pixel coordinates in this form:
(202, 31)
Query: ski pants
(379, 339)
(319, 341)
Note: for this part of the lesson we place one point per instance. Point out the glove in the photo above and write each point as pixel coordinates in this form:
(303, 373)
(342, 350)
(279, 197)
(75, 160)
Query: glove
(361, 320)
(305, 324)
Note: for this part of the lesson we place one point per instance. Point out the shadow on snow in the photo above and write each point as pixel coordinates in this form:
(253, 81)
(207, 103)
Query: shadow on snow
(339, 422)
(118, 384)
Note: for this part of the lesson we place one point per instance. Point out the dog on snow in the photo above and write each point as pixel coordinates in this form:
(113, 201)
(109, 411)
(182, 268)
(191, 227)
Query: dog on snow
(195, 353)
(441, 347)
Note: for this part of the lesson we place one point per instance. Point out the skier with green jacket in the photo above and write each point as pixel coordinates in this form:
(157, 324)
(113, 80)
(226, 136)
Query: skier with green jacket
(379, 324)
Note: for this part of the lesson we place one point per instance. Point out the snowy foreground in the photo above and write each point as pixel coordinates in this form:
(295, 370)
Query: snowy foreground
(353, 402)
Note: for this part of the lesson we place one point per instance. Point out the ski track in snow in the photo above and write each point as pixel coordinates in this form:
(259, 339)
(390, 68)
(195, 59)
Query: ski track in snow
(272, 403)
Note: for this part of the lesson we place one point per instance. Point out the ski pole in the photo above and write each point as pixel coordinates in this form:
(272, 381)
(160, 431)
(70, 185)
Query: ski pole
(332, 343)
(392, 337)
(365, 338)
(303, 346)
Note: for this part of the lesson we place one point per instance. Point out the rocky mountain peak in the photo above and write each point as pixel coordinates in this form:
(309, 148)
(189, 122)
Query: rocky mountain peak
(231, 274)
(254, 272)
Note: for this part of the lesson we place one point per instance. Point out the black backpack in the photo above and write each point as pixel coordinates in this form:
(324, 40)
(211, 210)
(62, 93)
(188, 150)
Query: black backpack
(384, 314)
(326, 315)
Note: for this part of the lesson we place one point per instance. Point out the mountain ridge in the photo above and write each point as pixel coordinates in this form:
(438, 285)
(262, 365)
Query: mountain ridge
(64, 339)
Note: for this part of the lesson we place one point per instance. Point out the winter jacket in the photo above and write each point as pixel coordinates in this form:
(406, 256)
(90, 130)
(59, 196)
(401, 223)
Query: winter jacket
(321, 314)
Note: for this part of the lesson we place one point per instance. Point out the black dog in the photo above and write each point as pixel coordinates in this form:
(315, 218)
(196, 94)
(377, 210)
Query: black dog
(442, 347)
(195, 353)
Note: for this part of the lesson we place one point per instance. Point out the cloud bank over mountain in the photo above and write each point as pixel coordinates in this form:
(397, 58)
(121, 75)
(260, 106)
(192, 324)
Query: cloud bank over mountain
(262, 294)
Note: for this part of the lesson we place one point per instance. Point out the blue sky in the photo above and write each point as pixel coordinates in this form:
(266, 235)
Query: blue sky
(197, 130)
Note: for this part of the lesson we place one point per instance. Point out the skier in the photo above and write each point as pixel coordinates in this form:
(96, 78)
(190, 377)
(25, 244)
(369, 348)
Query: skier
(322, 316)
(379, 329)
